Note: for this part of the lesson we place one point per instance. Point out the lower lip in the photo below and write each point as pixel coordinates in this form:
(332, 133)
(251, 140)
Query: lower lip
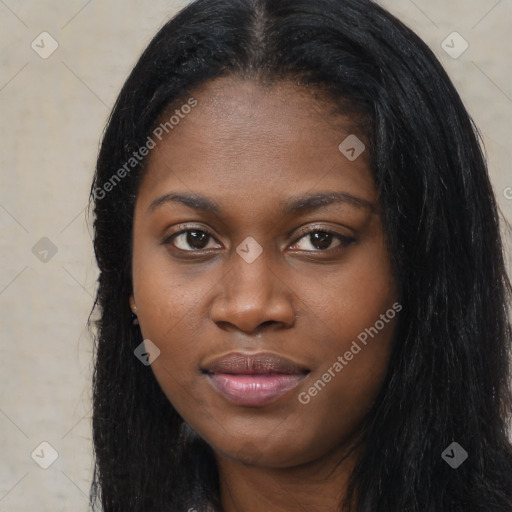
(254, 389)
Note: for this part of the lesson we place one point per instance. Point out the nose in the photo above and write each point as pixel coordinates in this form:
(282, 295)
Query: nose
(252, 296)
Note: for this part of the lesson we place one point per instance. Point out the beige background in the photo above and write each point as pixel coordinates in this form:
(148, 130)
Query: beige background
(52, 115)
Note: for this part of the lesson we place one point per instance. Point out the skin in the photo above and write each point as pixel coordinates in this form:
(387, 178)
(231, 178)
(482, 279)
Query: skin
(248, 148)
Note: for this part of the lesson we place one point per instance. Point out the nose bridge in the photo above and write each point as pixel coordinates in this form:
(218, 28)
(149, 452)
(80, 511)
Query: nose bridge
(251, 273)
(252, 292)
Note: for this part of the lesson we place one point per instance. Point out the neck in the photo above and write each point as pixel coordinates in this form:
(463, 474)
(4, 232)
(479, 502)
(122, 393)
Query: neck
(318, 485)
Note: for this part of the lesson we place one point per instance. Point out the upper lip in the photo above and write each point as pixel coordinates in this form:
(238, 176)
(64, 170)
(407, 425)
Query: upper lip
(261, 363)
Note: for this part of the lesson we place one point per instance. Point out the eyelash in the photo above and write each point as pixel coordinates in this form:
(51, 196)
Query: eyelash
(343, 240)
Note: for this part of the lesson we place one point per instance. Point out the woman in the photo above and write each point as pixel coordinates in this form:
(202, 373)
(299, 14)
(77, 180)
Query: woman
(302, 292)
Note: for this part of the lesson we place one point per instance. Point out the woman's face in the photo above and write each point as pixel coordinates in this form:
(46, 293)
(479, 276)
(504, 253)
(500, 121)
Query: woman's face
(261, 274)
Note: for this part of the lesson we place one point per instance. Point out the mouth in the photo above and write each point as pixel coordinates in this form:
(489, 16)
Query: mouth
(253, 379)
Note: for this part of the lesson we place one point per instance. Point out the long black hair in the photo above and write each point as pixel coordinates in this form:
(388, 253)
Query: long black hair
(449, 372)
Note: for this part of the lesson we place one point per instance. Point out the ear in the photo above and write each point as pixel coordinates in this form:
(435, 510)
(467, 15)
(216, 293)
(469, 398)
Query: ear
(133, 307)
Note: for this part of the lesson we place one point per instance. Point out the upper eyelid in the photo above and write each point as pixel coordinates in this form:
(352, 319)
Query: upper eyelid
(305, 231)
(300, 235)
(314, 229)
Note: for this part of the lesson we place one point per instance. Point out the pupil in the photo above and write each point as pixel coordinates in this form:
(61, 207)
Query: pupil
(196, 239)
(321, 240)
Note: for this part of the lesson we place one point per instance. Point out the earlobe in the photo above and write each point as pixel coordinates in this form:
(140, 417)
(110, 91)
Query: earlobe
(133, 306)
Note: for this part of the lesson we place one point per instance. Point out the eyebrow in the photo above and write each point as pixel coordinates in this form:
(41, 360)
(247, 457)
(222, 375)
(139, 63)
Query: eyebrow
(295, 206)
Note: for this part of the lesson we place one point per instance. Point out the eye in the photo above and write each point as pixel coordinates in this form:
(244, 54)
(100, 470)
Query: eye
(190, 240)
(321, 240)
(318, 240)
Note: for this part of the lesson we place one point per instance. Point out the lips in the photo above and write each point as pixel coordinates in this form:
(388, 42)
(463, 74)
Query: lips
(262, 363)
(253, 379)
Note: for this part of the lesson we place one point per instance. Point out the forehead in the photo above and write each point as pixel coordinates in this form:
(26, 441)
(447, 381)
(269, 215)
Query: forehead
(248, 109)
(246, 139)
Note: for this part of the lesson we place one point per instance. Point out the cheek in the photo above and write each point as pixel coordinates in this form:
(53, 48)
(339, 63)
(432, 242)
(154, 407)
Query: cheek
(166, 295)
(353, 297)
(171, 319)
(353, 357)
(167, 306)
(352, 319)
